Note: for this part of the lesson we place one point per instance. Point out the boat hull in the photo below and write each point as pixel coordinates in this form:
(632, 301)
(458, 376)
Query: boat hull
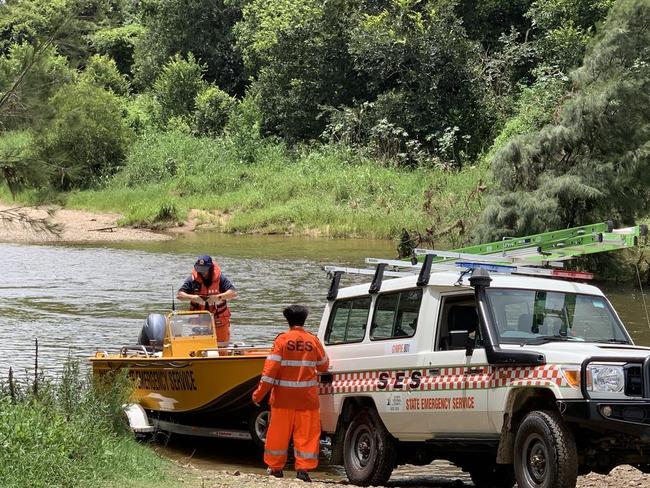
(183, 388)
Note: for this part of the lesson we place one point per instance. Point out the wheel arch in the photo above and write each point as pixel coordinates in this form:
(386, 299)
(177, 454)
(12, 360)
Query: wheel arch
(520, 401)
(349, 408)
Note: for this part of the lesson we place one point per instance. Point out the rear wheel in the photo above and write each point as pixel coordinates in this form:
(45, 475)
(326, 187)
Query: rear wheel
(258, 424)
(369, 451)
(545, 452)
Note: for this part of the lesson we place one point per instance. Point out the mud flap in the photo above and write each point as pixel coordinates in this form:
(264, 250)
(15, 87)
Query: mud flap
(138, 420)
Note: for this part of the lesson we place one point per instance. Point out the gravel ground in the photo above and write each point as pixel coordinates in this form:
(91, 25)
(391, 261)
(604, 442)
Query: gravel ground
(437, 475)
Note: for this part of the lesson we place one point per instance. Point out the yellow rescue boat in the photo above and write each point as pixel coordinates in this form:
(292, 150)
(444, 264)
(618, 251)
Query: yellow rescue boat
(187, 382)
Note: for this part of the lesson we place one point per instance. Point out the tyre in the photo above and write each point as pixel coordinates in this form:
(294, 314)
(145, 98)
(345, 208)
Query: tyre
(369, 451)
(545, 452)
(258, 424)
(492, 475)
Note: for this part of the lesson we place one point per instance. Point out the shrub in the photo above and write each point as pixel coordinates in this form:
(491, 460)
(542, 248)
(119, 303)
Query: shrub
(86, 138)
(213, 108)
(177, 86)
(143, 113)
(102, 71)
(70, 431)
(243, 127)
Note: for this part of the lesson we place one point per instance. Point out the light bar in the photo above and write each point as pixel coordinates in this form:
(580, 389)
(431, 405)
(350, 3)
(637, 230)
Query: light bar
(527, 270)
(495, 268)
(574, 275)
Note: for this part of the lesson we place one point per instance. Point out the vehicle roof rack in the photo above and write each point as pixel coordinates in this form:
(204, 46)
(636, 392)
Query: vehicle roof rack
(538, 254)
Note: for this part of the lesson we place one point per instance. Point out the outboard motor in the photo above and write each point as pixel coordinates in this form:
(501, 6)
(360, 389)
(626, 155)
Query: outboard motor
(153, 331)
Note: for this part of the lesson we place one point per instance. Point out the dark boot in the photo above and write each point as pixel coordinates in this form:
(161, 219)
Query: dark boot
(277, 473)
(303, 476)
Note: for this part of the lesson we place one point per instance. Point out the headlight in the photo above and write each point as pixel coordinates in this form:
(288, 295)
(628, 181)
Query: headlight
(605, 378)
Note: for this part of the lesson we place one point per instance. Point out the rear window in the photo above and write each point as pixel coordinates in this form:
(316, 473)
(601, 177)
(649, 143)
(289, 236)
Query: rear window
(348, 321)
(396, 315)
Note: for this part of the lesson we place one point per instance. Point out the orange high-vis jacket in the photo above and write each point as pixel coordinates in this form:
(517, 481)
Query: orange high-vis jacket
(290, 371)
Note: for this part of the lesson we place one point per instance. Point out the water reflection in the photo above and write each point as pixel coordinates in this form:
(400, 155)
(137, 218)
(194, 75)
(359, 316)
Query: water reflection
(78, 299)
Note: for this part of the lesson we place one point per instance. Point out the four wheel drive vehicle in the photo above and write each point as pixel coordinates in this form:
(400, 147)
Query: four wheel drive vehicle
(510, 377)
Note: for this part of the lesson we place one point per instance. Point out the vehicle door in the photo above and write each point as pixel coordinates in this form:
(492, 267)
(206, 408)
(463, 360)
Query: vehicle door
(455, 386)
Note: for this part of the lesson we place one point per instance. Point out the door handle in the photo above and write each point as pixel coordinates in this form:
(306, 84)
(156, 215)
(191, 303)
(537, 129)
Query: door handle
(475, 371)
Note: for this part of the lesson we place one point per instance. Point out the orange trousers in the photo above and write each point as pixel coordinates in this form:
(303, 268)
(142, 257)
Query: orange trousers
(304, 427)
(223, 334)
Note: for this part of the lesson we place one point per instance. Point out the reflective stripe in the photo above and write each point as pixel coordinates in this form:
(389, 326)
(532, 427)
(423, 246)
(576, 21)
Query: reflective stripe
(271, 452)
(267, 379)
(322, 361)
(289, 362)
(295, 384)
(305, 455)
(274, 357)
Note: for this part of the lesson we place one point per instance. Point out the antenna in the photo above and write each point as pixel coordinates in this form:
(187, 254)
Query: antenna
(173, 302)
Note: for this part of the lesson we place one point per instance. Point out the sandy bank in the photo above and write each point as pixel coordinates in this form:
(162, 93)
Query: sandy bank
(74, 226)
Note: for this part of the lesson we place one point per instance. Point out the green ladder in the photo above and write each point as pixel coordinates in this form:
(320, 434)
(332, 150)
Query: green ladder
(549, 247)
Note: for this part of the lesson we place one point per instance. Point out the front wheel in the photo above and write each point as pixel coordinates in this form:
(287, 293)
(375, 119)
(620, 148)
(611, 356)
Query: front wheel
(545, 452)
(369, 451)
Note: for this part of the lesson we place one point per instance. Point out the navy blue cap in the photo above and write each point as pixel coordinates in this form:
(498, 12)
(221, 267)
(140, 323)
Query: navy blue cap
(203, 264)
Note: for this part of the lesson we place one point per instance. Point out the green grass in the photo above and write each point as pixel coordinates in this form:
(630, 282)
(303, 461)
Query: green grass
(71, 432)
(326, 190)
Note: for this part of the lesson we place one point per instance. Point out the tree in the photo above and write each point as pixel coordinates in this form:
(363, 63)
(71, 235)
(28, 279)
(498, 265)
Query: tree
(28, 77)
(86, 138)
(18, 166)
(297, 51)
(200, 27)
(119, 43)
(421, 69)
(593, 164)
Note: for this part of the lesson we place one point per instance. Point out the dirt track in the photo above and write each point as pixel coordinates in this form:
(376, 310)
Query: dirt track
(437, 475)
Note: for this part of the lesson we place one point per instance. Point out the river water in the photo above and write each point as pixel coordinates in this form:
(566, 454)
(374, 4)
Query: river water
(79, 299)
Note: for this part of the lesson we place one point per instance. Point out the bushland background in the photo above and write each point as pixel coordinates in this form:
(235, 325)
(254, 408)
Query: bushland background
(447, 121)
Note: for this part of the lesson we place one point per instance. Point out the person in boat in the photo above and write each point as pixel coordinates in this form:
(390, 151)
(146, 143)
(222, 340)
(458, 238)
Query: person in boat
(290, 375)
(209, 289)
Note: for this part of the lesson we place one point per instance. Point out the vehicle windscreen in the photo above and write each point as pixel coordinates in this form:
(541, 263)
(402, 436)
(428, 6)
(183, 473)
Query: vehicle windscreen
(191, 324)
(537, 316)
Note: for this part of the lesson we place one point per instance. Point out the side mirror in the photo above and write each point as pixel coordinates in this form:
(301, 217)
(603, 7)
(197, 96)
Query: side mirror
(460, 339)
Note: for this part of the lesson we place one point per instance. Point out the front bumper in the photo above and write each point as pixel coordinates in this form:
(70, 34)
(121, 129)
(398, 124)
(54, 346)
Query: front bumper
(628, 417)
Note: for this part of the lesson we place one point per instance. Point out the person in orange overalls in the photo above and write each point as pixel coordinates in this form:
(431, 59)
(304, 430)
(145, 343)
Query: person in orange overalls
(290, 374)
(208, 289)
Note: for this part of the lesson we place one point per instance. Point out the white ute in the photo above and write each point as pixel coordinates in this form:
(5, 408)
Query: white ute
(510, 377)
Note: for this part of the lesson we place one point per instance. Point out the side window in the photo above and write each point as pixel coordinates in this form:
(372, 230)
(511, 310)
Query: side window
(396, 315)
(458, 312)
(348, 321)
